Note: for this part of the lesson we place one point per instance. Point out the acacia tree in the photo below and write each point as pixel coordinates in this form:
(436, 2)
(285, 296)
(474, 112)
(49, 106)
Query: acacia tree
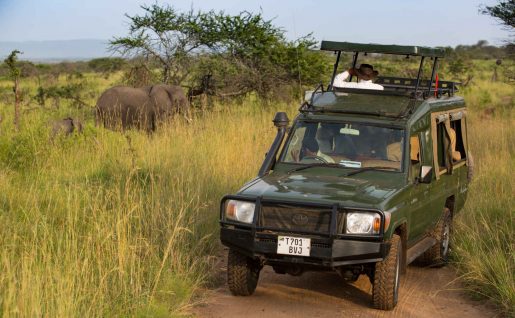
(242, 52)
(14, 74)
(503, 11)
(168, 37)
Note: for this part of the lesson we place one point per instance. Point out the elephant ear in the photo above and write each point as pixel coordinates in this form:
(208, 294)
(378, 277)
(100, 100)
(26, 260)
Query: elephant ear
(161, 99)
(178, 98)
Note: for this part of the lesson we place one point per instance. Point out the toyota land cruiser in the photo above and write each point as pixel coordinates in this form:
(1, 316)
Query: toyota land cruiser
(363, 182)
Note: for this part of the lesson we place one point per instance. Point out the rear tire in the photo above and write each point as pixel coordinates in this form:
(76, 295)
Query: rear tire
(242, 274)
(438, 254)
(387, 273)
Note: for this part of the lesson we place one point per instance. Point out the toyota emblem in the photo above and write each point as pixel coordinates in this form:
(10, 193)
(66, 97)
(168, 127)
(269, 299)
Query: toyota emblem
(300, 219)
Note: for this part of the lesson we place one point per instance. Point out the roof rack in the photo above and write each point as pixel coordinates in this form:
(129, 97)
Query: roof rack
(309, 108)
(415, 84)
(409, 85)
(382, 48)
(393, 86)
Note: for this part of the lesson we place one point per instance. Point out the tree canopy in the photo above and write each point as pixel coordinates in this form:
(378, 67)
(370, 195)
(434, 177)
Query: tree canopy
(11, 61)
(503, 11)
(244, 51)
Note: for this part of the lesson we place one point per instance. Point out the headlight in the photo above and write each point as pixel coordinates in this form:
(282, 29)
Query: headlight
(363, 223)
(240, 211)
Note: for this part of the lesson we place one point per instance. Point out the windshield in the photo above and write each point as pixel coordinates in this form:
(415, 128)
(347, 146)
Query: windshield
(350, 145)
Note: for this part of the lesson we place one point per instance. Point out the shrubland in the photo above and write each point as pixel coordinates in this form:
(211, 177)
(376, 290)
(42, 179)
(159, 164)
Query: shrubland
(121, 224)
(110, 224)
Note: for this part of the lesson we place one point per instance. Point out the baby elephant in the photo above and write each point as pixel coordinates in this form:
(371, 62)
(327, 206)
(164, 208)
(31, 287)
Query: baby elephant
(66, 126)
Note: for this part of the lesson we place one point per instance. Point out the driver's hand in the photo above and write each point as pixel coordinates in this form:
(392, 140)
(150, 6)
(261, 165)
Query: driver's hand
(295, 153)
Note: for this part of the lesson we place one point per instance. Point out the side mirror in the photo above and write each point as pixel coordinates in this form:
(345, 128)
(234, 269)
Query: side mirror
(426, 174)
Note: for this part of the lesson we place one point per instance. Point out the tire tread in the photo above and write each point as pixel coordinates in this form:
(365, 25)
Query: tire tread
(383, 293)
(242, 274)
(433, 256)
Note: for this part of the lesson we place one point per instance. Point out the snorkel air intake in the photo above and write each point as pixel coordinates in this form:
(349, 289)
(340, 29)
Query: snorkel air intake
(281, 122)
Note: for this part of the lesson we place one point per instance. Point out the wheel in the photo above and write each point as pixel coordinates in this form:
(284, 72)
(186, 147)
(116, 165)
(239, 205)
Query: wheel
(385, 292)
(438, 254)
(242, 274)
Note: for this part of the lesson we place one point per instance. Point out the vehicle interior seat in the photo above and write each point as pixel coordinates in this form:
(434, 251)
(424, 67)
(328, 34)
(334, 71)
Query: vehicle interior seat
(414, 148)
(393, 151)
(456, 155)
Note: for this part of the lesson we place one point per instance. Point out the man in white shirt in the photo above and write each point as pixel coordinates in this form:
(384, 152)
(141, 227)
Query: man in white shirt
(365, 74)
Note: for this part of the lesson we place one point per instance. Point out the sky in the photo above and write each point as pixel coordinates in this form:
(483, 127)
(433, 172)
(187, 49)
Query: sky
(408, 22)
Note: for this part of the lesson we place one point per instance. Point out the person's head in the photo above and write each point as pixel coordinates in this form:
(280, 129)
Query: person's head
(365, 72)
(310, 147)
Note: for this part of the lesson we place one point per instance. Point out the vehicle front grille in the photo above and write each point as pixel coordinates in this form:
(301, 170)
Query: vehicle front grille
(295, 218)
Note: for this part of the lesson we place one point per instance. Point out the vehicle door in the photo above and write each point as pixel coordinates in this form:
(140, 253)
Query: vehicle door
(448, 158)
(459, 148)
(420, 200)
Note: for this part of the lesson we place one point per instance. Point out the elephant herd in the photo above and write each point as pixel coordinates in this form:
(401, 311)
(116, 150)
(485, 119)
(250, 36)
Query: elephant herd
(122, 107)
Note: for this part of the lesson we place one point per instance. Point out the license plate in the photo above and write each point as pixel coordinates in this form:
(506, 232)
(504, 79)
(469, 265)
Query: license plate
(293, 245)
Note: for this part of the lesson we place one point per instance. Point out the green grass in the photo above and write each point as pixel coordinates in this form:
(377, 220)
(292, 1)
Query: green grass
(112, 224)
(484, 247)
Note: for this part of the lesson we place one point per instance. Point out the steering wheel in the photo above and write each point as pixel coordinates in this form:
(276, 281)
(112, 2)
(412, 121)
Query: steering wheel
(315, 158)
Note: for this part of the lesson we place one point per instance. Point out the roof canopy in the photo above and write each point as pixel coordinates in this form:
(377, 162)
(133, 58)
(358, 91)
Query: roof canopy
(382, 48)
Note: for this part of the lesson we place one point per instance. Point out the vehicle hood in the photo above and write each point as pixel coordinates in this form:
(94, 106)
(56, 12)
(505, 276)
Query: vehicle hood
(368, 189)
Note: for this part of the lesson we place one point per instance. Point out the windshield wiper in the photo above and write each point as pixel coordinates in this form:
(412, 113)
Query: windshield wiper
(366, 169)
(318, 164)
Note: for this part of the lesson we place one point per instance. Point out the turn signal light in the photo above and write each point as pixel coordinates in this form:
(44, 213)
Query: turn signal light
(231, 210)
(377, 225)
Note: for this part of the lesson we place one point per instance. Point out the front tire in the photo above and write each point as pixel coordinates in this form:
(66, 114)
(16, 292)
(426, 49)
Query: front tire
(438, 254)
(385, 291)
(242, 274)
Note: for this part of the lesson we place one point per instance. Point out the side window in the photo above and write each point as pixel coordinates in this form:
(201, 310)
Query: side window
(457, 141)
(442, 143)
(449, 140)
(415, 156)
(295, 144)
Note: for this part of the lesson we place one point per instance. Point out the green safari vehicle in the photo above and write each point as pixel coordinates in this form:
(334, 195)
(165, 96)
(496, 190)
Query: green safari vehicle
(364, 181)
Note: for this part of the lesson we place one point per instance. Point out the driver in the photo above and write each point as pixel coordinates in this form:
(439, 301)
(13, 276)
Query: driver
(310, 149)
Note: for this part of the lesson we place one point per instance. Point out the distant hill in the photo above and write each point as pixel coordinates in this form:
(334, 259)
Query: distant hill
(57, 51)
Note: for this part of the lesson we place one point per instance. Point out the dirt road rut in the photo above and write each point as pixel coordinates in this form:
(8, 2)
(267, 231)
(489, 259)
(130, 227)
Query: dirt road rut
(425, 292)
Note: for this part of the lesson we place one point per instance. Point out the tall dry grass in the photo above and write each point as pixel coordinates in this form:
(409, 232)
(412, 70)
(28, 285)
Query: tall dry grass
(111, 224)
(484, 244)
(107, 224)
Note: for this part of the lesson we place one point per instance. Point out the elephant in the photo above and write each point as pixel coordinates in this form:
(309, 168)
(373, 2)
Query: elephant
(126, 107)
(66, 126)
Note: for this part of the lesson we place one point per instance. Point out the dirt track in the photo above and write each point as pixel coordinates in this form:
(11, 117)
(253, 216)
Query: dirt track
(425, 292)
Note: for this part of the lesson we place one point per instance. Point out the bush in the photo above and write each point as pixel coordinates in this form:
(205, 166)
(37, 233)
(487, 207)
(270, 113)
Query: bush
(25, 150)
(106, 64)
